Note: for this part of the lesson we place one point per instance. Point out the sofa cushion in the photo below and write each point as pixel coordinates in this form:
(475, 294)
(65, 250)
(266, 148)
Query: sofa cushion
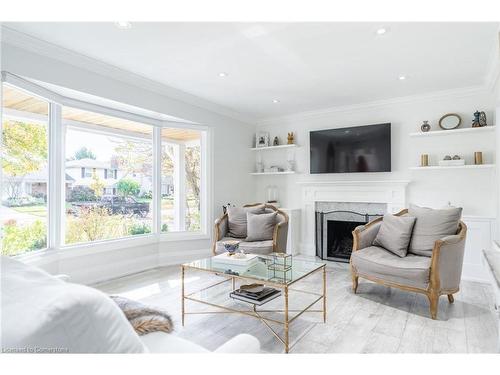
(430, 226)
(395, 234)
(257, 247)
(41, 311)
(237, 219)
(260, 227)
(412, 270)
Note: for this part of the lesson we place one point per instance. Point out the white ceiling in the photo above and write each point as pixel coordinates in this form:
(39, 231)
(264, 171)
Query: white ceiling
(306, 66)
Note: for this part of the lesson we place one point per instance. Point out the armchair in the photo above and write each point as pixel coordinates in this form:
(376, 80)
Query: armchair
(433, 276)
(277, 244)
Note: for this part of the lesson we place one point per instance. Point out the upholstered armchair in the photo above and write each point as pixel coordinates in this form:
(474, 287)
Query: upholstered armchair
(433, 275)
(276, 244)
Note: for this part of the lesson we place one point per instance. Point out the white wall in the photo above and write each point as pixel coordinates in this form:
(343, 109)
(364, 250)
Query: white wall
(230, 156)
(474, 190)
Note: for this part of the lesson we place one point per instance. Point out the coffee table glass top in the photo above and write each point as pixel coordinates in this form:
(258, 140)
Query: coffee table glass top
(264, 268)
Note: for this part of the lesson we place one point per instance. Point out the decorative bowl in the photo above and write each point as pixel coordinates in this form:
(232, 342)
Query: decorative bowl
(231, 246)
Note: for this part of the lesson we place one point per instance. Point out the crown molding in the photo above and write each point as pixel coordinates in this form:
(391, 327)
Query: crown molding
(44, 48)
(436, 95)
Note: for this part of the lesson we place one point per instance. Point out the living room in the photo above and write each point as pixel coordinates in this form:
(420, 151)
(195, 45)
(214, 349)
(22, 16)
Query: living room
(292, 185)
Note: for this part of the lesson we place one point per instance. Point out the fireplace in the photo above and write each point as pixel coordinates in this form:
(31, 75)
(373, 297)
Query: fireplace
(339, 238)
(334, 227)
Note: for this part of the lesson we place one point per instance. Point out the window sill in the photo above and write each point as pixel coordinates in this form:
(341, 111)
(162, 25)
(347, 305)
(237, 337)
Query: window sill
(183, 236)
(84, 249)
(39, 256)
(68, 251)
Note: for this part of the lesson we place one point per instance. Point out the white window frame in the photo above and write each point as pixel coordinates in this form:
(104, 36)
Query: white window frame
(56, 189)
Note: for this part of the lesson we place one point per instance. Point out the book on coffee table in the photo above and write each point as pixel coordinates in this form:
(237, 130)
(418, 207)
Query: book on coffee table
(256, 298)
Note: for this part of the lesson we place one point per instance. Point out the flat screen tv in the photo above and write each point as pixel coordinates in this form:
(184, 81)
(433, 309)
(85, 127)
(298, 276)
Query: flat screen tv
(351, 150)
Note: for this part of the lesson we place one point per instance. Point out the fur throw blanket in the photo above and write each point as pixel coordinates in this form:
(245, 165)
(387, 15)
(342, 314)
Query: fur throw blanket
(143, 318)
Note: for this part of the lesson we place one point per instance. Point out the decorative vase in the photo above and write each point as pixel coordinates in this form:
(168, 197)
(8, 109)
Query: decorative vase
(478, 158)
(231, 246)
(425, 127)
(424, 160)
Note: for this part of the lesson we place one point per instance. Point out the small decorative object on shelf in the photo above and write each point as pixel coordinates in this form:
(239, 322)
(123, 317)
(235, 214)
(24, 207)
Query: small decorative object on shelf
(482, 119)
(424, 160)
(272, 194)
(478, 157)
(276, 141)
(475, 121)
(454, 161)
(262, 139)
(231, 246)
(259, 167)
(290, 165)
(450, 121)
(290, 138)
(280, 267)
(273, 169)
(425, 126)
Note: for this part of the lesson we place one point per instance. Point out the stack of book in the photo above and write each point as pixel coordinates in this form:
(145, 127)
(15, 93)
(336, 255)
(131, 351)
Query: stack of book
(257, 294)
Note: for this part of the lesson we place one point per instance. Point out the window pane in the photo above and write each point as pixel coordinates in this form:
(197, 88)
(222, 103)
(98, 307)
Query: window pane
(23, 212)
(109, 177)
(181, 173)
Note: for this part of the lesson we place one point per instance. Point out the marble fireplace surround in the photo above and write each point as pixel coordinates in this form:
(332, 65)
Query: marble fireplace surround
(392, 193)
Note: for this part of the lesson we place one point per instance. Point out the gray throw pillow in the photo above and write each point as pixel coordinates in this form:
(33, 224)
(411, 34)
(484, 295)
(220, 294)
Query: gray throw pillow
(260, 227)
(395, 234)
(432, 225)
(237, 219)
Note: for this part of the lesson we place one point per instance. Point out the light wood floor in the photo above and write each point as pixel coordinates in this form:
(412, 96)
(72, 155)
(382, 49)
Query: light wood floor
(376, 320)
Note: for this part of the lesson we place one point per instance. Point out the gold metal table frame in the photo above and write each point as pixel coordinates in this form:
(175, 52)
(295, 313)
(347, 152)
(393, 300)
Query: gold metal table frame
(254, 312)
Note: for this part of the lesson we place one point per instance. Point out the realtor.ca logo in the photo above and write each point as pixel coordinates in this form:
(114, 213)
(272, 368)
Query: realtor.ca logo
(35, 349)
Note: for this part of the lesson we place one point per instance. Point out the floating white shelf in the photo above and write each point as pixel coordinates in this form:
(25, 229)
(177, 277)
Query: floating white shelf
(273, 147)
(484, 129)
(271, 173)
(470, 166)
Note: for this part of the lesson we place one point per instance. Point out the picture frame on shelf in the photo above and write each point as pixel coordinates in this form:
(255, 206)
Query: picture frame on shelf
(262, 139)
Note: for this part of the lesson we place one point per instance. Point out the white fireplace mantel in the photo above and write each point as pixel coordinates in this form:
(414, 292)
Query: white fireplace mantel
(390, 192)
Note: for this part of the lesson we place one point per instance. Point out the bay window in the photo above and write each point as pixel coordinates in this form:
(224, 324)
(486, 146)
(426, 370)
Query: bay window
(181, 180)
(100, 204)
(74, 172)
(25, 169)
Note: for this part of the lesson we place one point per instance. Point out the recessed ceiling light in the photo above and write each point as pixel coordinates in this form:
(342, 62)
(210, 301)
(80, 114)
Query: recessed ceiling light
(222, 74)
(402, 77)
(276, 101)
(382, 30)
(123, 25)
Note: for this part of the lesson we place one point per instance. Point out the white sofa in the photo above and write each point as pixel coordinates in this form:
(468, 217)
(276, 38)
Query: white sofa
(42, 313)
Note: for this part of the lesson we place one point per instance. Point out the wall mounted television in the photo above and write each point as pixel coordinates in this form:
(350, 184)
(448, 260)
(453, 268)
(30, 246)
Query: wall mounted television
(351, 150)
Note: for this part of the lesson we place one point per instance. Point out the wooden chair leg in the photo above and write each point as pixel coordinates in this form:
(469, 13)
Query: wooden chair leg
(450, 298)
(354, 283)
(433, 301)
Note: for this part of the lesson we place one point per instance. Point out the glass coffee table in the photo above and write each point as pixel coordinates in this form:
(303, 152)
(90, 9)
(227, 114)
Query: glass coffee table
(272, 272)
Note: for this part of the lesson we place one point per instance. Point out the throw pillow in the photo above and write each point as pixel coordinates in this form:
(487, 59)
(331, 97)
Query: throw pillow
(237, 219)
(144, 319)
(395, 234)
(432, 225)
(260, 227)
